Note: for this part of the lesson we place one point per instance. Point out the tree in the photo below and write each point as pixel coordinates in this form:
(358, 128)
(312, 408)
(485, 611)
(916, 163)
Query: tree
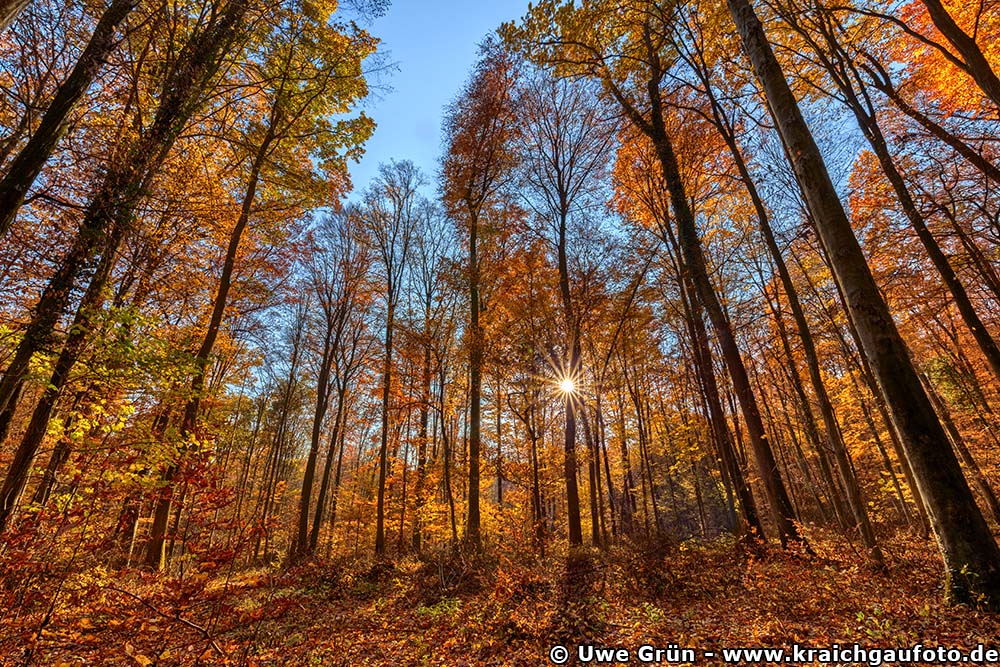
(477, 164)
(564, 144)
(432, 259)
(9, 11)
(391, 214)
(975, 61)
(28, 163)
(336, 278)
(694, 51)
(111, 211)
(623, 49)
(309, 71)
(970, 554)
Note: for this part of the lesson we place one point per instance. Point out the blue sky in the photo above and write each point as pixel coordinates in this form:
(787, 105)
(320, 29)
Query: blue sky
(434, 45)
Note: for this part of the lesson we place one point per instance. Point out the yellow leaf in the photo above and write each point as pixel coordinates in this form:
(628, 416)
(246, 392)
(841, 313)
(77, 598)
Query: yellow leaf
(138, 657)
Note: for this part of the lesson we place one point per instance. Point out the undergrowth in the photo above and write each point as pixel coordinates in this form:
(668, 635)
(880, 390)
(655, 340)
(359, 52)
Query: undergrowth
(496, 607)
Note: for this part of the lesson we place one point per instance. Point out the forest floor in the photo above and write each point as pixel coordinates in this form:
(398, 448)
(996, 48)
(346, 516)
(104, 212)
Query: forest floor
(492, 611)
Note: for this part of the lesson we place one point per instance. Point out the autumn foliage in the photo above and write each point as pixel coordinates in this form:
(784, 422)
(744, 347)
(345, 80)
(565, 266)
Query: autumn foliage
(691, 339)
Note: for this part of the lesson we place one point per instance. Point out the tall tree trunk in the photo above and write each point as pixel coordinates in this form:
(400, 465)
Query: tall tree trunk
(750, 526)
(226, 277)
(536, 498)
(383, 450)
(446, 456)
(472, 527)
(24, 169)
(301, 545)
(498, 416)
(336, 445)
(422, 436)
(594, 488)
(124, 184)
(191, 408)
(812, 432)
(654, 127)
(971, 555)
(690, 246)
(603, 453)
(833, 433)
(979, 66)
(571, 370)
(324, 484)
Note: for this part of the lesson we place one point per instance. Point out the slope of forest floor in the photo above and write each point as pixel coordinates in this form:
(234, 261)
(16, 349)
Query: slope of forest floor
(496, 610)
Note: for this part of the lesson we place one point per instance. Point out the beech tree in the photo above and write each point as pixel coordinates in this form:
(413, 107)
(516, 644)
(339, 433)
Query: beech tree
(970, 554)
(111, 212)
(591, 41)
(28, 163)
(391, 214)
(565, 143)
(477, 164)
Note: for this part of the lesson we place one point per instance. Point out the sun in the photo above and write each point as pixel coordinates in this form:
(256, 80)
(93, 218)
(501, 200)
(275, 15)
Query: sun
(567, 386)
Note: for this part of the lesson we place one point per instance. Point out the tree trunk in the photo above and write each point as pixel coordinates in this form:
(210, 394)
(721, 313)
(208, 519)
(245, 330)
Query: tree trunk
(226, 279)
(383, 450)
(690, 246)
(750, 526)
(971, 556)
(190, 417)
(979, 67)
(125, 183)
(422, 435)
(9, 11)
(24, 169)
(571, 372)
(301, 544)
(833, 433)
(472, 527)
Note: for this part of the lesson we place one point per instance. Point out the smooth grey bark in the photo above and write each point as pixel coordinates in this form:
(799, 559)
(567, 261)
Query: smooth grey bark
(848, 81)
(969, 551)
(834, 436)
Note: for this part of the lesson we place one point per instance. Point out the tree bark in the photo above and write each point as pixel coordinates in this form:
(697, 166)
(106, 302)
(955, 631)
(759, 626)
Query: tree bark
(833, 433)
(24, 169)
(750, 526)
(472, 527)
(336, 438)
(10, 10)
(971, 556)
(979, 66)
(191, 408)
(422, 435)
(125, 183)
(383, 450)
(690, 245)
(301, 544)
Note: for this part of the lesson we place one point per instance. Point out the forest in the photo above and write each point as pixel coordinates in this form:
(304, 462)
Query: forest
(689, 340)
